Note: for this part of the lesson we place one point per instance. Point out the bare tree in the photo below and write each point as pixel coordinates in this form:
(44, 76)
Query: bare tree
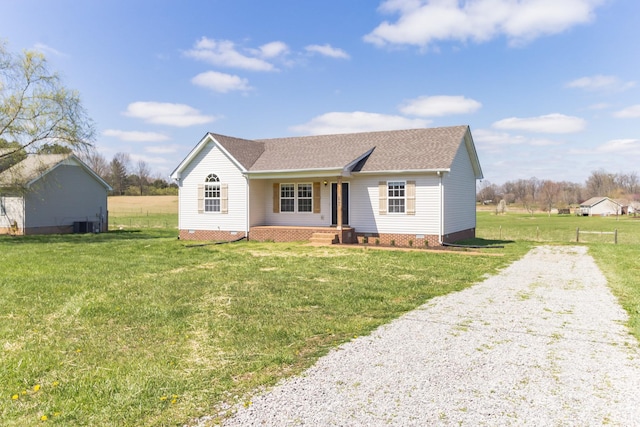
(97, 162)
(143, 173)
(549, 194)
(487, 192)
(600, 183)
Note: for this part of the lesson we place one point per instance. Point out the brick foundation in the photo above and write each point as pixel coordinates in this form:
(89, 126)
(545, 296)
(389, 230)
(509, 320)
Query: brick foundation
(411, 240)
(402, 240)
(460, 235)
(347, 235)
(293, 234)
(215, 235)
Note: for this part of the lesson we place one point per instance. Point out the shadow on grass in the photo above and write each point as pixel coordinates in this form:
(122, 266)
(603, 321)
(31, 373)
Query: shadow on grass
(488, 243)
(110, 236)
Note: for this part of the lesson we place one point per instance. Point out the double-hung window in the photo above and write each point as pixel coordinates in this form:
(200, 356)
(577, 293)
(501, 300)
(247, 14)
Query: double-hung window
(396, 196)
(305, 197)
(287, 197)
(212, 194)
(291, 197)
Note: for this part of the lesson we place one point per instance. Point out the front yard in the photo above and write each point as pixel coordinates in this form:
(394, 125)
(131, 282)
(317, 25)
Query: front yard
(137, 328)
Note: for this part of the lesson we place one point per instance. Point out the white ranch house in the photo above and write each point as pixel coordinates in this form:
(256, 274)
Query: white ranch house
(51, 194)
(408, 186)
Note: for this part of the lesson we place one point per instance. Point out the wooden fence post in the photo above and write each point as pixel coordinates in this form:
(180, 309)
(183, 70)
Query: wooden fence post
(615, 236)
(577, 234)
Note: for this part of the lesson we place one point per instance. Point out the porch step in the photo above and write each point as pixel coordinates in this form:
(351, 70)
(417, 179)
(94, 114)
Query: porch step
(324, 238)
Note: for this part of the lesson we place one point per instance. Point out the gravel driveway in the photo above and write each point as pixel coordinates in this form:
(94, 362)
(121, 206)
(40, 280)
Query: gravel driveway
(543, 343)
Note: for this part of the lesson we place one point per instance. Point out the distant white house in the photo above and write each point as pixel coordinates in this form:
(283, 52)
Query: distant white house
(600, 206)
(404, 187)
(52, 193)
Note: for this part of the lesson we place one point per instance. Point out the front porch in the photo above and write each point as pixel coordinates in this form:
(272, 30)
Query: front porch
(283, 233)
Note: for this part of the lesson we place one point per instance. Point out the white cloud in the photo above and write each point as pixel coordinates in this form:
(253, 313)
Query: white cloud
(357, 121)
(550, 123)
(491, 140)
(600, 82)
(273, 49)
(488, 137)
(423, 22)
(135, 136)
(225, 54)
(327, 50)
(164, 113)
(221, 82)
(151, 160)
(628, 113)
(436, 106)
(600, 106)
(162, 149)
(625, 146)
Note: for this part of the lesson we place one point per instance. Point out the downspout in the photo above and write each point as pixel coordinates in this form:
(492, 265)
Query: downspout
(441, 233)
(247, 210)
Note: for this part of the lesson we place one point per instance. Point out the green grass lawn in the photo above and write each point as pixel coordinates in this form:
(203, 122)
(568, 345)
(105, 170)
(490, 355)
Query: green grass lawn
(137, 328)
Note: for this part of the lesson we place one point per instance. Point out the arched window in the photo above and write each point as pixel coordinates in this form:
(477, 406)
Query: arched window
(212, 193)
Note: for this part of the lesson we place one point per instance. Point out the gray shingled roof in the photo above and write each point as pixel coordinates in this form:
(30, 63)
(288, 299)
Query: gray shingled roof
(243, 150)
(29, 169)
(413, 149)
(431, 149)
(595, 200)
(34, 166)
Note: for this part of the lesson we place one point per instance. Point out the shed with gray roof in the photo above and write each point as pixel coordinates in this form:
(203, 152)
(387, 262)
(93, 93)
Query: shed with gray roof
(52, 193)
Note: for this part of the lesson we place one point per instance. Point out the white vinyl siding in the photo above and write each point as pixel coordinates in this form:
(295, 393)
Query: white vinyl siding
(233, 193)
(460, 194)
(318, 216)
(14, 211)
(367, 215)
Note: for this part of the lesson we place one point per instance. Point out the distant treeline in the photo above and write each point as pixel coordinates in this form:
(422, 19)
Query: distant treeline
(545, 195)
(129, 179)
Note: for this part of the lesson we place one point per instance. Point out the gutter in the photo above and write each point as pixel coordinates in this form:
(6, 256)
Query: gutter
(248, 209)
(440, 188)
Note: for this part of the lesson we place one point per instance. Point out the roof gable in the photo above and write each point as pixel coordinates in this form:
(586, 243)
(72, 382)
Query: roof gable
(597, 200)
(242, 152)
(36, 166)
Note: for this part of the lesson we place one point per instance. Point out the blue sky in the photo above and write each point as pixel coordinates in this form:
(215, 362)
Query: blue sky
(550, 88)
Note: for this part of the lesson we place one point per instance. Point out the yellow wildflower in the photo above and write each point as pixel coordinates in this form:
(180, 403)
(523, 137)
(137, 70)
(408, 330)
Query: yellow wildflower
(15, 397)
(36, 387)
(55, 383)
(163, 398)
(44, 418)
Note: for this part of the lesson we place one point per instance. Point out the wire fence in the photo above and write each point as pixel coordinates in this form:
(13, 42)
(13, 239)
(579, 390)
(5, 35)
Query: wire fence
(543, 234)
(143, 221)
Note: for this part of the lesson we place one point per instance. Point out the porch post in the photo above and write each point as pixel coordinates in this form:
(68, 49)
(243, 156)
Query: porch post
(339, 204)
